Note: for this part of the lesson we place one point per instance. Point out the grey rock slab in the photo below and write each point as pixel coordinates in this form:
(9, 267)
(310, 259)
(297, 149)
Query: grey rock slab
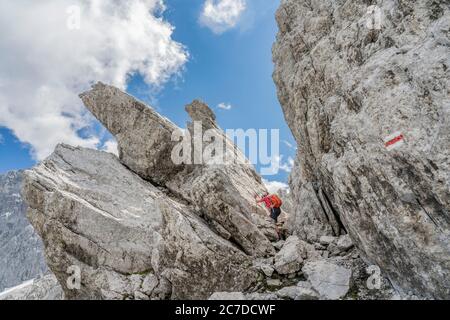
(128, 238)
(297, 293)
(144, 137)
(330, 280)
(290, 258)
(267, 270)
(326, 240)
(274, 283)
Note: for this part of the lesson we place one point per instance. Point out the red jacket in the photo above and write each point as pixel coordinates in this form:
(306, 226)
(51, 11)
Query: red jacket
(266, 201)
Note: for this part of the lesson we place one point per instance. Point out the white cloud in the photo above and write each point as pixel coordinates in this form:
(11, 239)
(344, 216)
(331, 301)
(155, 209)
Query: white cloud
(44, 64)
(111, 147)
(275, 186)
(279, 164)
(222, 15)
(285, 166)
(224, 106)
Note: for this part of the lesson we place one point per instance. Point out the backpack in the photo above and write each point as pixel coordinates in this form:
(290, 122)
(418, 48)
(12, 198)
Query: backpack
(276, 201)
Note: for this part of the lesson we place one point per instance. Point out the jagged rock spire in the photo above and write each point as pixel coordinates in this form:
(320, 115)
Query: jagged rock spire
(199, 111)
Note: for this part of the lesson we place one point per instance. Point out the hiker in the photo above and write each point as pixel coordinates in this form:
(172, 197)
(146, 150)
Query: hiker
(273, 204)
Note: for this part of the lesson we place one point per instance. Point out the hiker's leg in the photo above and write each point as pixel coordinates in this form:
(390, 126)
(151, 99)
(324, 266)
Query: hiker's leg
(273, 215)
(277, 213)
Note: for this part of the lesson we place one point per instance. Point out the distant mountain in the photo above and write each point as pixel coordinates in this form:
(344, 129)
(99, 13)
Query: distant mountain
(21, 249)
(45, 288)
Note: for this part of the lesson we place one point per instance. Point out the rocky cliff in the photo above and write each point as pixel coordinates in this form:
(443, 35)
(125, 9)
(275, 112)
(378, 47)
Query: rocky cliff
(21, 249)
(120, 228)
(364, 86)
(137, 232)
(364, 89)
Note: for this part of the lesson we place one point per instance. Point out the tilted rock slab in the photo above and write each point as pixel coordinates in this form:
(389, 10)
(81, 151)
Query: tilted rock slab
(365, 90)
(223, 193)
(313, 221)
(129, 239)
(143, 136)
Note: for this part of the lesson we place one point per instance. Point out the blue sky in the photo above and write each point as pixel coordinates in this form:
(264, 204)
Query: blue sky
(234, 67)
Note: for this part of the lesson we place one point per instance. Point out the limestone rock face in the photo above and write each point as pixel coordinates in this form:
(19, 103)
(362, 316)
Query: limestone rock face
(223, 192)
(143, 136)
(129, 239)
(313, 222)
(365, 91)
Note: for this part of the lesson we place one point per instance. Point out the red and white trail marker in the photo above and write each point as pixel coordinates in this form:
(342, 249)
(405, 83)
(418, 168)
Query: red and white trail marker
(394, 140)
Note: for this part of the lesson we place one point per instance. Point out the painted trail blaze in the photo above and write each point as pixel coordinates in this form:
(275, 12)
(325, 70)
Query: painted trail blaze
(394, 140)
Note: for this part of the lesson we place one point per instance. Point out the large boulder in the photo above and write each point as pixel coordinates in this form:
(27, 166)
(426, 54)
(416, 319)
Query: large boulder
(218, 181)
(328, 279)
(290, 258)
(365, 90)
(143, 136)
(127, 238)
